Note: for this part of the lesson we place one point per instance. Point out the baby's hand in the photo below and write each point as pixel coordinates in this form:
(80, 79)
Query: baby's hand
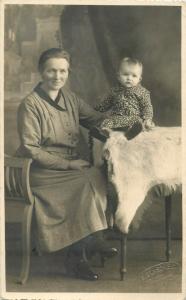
(148, 125)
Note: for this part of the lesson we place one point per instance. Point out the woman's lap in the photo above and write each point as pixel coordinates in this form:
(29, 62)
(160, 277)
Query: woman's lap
(69, 205)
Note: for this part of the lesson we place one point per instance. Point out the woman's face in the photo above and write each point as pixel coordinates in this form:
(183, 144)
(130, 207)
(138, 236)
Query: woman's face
(55, 73)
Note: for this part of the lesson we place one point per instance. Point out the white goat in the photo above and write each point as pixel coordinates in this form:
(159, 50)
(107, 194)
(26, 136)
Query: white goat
(137, 165)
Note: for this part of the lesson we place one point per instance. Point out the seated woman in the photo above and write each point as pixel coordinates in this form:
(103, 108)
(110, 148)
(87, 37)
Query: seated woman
(70, 200)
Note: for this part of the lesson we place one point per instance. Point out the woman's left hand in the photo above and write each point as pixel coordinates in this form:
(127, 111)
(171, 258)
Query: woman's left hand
(78, 164)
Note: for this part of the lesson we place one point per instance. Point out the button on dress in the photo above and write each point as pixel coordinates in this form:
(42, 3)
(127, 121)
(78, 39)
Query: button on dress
(69, 204)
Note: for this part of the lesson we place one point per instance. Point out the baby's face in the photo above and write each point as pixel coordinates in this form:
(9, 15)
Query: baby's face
(129, 74)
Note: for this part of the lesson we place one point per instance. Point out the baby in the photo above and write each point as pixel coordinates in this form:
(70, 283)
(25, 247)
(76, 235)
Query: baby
(128, 105)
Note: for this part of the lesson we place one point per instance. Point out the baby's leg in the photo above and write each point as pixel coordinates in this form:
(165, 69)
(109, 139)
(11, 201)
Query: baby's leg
(117, 122)
(130, 125)
(114, 122)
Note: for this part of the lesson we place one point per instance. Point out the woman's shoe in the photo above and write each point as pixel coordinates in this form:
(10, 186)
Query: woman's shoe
(108, 252)
(83, 271)
(77, 266)
(100, 246)
(80, 269)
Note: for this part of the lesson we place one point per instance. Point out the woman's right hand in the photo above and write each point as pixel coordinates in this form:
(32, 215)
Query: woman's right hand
(78, 164)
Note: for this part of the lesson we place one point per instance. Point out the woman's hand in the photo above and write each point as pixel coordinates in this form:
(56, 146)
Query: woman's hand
(78, 164)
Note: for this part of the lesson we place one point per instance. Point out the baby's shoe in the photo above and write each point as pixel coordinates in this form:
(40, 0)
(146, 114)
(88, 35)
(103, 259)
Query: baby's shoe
(134, 130)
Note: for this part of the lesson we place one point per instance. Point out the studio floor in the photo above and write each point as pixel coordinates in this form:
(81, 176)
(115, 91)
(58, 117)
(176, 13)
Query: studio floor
(147, 271)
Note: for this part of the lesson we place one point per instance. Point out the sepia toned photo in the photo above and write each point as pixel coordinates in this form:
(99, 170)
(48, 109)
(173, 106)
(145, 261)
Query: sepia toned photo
(93, 158)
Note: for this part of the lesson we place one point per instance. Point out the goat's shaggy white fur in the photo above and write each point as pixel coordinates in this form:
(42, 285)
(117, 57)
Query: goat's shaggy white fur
(137, 165)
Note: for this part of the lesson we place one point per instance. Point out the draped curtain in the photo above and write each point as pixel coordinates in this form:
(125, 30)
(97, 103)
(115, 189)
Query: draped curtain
(99, 36)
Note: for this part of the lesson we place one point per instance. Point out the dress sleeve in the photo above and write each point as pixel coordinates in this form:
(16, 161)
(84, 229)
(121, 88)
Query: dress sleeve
(29, 129)
(88, 116)
(106, 103)
(146, 106)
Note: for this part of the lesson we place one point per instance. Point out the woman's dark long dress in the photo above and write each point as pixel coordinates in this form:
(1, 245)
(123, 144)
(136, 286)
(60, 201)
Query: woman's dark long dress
(69, 204)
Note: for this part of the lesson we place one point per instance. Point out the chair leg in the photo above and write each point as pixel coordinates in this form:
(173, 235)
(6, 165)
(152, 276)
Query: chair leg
(168, 206)
(26, 244)
(123, 256)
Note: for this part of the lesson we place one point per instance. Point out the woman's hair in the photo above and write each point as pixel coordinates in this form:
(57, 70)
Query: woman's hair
(52, 53)
(131, 61)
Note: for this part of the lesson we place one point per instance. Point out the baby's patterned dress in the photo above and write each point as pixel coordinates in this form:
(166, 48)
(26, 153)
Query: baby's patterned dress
(126, 106)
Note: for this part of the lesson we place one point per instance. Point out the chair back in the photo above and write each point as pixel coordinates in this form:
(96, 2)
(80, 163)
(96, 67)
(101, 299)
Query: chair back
(16, 177)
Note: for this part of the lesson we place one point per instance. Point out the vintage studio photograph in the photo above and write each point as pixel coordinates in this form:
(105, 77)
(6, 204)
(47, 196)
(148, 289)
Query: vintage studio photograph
(92, 148)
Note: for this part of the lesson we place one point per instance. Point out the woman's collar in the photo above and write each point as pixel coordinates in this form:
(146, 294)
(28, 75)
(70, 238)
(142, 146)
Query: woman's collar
(58, 103)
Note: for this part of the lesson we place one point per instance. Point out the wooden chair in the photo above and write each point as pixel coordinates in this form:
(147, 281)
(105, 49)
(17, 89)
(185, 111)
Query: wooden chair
(19, 199)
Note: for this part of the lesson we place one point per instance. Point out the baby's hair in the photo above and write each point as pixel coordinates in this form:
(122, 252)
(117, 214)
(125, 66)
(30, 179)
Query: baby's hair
(131, 61)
